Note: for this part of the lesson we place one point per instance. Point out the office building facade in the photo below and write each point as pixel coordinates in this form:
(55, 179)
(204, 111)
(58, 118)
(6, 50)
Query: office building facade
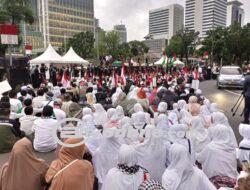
(235, 13)
(204, 15)
(122, 32)
(166, 21)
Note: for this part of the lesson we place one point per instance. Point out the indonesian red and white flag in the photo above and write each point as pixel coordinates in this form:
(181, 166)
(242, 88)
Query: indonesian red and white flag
(123, 76)
(65, 79)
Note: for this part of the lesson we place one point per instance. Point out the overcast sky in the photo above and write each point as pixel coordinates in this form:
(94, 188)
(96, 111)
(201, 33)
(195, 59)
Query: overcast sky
(134, 14)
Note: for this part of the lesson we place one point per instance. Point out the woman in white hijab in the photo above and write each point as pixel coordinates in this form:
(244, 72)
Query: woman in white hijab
(124, 125)
(100, 115)
(182, 104)
(133, 93)
(205, 111)
(214, 108)
(244, 146)
(219, 118)
(86, 111)
(138, 108)
(163, 122)
(218, 158)
(120, 112)
(152, 154)
(106, 155)
(185, 117)
(181, 174)
(198, 133)
(115, 96)
(177, 134)
(93, 135)
(127, 175)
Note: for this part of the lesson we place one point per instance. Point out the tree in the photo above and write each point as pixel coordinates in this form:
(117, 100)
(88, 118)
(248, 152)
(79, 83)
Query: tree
(183, 43)
(189, 40)
(14, 12)
(175, 46)
(138, 48)
(82, 43)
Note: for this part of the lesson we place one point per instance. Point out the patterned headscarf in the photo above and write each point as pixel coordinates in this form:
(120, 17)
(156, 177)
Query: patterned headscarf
(151, 185)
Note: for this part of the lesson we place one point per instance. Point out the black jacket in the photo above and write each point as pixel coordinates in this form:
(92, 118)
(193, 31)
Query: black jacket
(247, 86)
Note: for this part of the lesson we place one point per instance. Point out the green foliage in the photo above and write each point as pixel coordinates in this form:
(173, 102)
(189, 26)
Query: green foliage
(231, 44)
(138, 48)
(15, 11)
(109, 44)
(183, 43)
(82, 43)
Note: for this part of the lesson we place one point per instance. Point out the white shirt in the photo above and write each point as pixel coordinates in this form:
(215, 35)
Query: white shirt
(44, 140)
(26, 123)
(59, 114)
(15, 105)
(38, 101)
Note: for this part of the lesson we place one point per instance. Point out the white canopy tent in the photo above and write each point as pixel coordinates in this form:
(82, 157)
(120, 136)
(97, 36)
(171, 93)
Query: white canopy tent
(49, 56)
(160, 62)
(179, 63)
(72, 58)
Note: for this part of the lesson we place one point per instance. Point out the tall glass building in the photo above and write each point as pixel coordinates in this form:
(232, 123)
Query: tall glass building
(56, 21)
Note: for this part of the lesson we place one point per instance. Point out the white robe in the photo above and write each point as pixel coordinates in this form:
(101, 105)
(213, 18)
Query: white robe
(105, 157)
(244, 155)
(181, 174)
(152, 155)
(117, 179)
(218, 158)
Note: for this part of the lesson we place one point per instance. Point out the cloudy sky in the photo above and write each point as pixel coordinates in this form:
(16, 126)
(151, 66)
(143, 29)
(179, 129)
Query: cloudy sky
(134, 14)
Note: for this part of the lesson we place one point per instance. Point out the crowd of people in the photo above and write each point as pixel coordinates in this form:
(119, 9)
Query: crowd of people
(165, 133)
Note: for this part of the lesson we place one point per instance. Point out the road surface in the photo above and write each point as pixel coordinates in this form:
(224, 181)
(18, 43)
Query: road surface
(224, 98)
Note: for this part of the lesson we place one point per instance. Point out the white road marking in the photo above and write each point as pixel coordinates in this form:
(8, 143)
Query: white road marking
(234, 93)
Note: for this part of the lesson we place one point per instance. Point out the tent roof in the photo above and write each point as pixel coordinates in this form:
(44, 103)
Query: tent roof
(48, 56)
(161, 61)
(72, 57)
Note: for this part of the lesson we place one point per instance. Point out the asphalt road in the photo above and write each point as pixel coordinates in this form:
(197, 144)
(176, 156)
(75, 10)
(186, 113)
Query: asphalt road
(224, 98)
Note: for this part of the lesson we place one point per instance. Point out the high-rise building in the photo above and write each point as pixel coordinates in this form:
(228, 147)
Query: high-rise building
(166, 21)
(58, 20)
(122, 32)
(235, 13)
(204, 15)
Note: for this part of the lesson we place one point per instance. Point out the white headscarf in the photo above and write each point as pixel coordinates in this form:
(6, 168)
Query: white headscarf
(181, 174)
(162, 122)
(116, 95)
(139, 119)
(120, 112)
(198, 133)
(178, 135)
(119, 180)
(219, 118)
(106, 156)
(214, 108)
(93, 135)
(244, 155)
(152, 154)
(100, 115)
(86, 111)
(162, 107)
(138, 108)
(133, 93)
(181, 104)
(218, 158)
(110, 113)
(185, 117)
